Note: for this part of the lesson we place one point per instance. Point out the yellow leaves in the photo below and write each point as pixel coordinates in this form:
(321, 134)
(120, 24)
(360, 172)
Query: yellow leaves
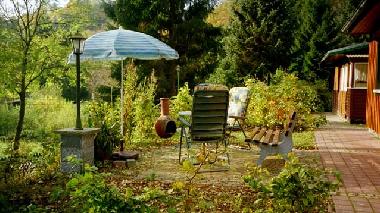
(188, 166)
(128, 193)
(201, 157)
(178, 186)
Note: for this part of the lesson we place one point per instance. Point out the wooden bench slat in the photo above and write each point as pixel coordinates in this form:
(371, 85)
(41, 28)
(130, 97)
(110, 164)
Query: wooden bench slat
(258, 136)
(255, 131)
(276, 137)
(251, 134)
(268, 137)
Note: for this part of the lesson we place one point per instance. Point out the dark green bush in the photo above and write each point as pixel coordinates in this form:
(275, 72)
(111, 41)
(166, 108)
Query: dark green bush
(298, 188)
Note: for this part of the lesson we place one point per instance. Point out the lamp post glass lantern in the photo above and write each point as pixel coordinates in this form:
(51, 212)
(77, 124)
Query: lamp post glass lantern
(78, 42)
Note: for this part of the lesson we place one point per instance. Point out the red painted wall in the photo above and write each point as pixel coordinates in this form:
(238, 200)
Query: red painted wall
(356, 107)
(373, 100)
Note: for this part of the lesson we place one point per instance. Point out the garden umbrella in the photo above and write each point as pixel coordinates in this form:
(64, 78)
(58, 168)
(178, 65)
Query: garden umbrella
(117, 45)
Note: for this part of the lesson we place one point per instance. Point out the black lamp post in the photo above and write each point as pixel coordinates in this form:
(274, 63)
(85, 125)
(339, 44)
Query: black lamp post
(78, 46)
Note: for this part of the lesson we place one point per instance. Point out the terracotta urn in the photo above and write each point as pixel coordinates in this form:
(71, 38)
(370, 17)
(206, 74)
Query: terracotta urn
(165, 126)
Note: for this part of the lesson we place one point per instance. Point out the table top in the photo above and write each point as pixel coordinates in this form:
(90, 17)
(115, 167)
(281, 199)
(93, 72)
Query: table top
(184, 113)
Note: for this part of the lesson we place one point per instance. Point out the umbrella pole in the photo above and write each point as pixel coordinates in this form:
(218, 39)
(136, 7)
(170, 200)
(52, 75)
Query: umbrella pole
(122, 101)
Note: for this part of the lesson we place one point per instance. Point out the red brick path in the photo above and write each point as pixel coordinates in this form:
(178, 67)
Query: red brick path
(354, 152)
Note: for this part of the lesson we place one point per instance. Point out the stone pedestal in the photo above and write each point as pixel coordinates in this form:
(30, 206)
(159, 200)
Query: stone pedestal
(78, 143)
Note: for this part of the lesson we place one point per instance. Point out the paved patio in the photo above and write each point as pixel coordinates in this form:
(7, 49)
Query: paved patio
(355, 152)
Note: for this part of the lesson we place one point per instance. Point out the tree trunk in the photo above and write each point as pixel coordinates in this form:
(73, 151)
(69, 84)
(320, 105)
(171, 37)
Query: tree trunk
(22, 95)
(20, 123)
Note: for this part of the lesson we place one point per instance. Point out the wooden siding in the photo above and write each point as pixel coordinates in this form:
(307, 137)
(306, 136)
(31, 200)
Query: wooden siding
(368, 23)
(373, 100)
(342, 104)
(335, 102)
(336, 78)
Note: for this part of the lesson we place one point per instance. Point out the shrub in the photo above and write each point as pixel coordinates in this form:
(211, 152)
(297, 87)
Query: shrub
(183, 101)
(298, 188)
(227, 77)
(8, 120)
(47, 111)
(271, 105)
(34, 160)
(90, 193)
(130, 93)
(102, 115)
(145, 112)
(140, 112)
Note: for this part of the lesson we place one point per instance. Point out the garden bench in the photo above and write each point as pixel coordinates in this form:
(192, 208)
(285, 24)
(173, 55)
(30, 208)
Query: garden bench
(271, 142)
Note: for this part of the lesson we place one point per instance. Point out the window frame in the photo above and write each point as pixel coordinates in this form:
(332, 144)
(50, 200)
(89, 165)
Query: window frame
(343, 81)
(354, 75)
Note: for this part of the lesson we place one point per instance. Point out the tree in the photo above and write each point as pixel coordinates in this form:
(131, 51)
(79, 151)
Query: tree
(30, 54)
(316, 34)
(221, 15)
(179, 23)
(82, 15)
(258, 39)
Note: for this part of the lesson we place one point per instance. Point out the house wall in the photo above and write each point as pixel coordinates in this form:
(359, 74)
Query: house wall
(373, 100)
(342, 104)
(356, 105)
(341, 100)
(335, 91)
(350, 104)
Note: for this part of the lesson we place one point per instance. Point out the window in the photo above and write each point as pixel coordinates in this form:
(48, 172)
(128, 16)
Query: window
(360, 75)
(343, 78)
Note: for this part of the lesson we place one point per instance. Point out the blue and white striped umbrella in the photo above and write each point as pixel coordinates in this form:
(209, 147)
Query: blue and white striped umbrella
(121, 44)
(117, 45)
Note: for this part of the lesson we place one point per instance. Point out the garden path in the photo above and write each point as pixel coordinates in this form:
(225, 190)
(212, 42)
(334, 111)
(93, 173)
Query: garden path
(355, 152)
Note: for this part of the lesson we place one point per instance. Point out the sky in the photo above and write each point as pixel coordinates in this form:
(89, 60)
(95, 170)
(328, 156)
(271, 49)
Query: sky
(62, 3)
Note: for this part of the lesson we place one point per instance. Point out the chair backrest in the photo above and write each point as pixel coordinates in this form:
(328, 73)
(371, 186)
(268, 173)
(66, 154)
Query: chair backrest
(209, 113)
(238, 103)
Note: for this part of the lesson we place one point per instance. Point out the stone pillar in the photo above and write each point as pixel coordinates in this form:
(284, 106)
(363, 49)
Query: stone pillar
(79, 143)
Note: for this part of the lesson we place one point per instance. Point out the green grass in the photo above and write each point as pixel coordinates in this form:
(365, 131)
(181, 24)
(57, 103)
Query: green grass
(304, 140)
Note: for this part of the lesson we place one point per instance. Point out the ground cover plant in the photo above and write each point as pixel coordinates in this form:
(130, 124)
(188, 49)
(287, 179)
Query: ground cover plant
(297, 188)
(304, 140)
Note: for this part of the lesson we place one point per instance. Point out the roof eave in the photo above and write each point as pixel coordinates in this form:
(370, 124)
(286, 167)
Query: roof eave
(347, 28)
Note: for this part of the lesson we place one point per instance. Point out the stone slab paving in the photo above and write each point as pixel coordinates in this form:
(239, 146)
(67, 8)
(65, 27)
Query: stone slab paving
(355, 152)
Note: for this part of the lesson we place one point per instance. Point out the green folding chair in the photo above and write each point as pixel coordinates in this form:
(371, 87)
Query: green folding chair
(208, 119)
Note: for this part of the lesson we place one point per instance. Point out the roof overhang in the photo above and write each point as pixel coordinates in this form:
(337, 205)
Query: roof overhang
(365, 20)
(342, 55)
